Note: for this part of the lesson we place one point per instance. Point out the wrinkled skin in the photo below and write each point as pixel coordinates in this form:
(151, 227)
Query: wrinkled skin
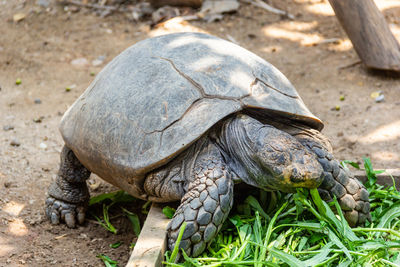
(266, 154)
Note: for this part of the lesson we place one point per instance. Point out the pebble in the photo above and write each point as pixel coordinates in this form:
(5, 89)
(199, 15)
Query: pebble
(43, 3)
(80, 62)
(38, 120)
(38, 101)
(43, 145)
(8, 127)
(98, 61)
(18, 17)
(380, 98)
(15, 142)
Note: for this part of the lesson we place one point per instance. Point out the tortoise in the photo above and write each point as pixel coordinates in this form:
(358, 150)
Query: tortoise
(184, 117)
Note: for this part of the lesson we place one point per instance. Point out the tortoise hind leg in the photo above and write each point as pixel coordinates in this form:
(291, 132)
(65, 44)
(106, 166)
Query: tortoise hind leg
(351, 194)
(206, 204)
(68, 195)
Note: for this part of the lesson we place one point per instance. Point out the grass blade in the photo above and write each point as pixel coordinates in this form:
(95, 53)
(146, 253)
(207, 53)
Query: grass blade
(107, 261)
(269, 231)
(339, 244)
(253, 202)
(168, 212)
(286, 258)
(134, 219)
(320, 257)
(391, 214)
(178, 240)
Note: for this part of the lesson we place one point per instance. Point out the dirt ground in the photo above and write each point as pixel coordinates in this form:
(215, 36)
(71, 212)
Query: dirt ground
(42, 49)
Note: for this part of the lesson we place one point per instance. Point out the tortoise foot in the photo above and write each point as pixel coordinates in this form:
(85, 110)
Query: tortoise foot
(68, 196)
(59, 211)
(338, 182)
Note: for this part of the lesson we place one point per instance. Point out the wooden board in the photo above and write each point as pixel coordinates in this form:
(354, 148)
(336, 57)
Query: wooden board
(370, 34)
(150, 246)
(383, 178)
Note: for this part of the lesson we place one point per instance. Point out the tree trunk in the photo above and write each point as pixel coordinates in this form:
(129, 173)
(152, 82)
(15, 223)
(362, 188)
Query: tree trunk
(370, 34)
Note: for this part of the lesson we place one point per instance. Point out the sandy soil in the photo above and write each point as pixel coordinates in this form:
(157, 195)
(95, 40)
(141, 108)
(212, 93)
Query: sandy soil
(40, 50)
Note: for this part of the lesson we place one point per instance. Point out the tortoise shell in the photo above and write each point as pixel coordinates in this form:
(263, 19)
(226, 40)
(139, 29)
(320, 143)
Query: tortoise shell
(160, 95)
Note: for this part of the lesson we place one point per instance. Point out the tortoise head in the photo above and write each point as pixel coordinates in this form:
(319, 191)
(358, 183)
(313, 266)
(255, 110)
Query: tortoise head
(268, 158)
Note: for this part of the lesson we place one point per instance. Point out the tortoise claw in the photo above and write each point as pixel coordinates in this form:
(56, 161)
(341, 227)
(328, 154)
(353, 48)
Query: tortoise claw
(59, 211)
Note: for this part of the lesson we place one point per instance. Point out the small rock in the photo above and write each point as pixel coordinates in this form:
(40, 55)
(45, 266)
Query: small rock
(15, 142)
(38, 101)
(98, 61)
(43, 3)
(82, 235)
(8, 127)
(212, 10)
(80, 62)
(380, 98)
(164, 13)
(18, 17)
(43, 145)
(38, 120)
(141, 10)
(7, 184)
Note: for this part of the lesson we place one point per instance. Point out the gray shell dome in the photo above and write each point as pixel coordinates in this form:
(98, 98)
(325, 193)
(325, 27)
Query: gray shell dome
(160, 95)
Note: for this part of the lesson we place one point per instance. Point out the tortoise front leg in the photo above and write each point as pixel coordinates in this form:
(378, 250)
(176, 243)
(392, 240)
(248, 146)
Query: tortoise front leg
(68, 195)
(205, 206)
(339, 182)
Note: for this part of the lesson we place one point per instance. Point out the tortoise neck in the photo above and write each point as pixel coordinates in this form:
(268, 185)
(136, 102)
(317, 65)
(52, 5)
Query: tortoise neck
(235, 146)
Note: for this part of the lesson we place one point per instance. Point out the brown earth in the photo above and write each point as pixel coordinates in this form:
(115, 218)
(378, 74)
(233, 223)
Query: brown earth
(40, 48)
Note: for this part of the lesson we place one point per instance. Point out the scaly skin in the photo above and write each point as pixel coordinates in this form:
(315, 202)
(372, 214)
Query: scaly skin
(68, 195)
(351, 194)
(204, 207)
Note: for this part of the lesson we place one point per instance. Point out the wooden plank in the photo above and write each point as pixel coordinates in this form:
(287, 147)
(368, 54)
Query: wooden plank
(370, 34)
(151, 244)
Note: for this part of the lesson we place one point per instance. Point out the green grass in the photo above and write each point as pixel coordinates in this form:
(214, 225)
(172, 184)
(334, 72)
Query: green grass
(302, 230)
(114, 202)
